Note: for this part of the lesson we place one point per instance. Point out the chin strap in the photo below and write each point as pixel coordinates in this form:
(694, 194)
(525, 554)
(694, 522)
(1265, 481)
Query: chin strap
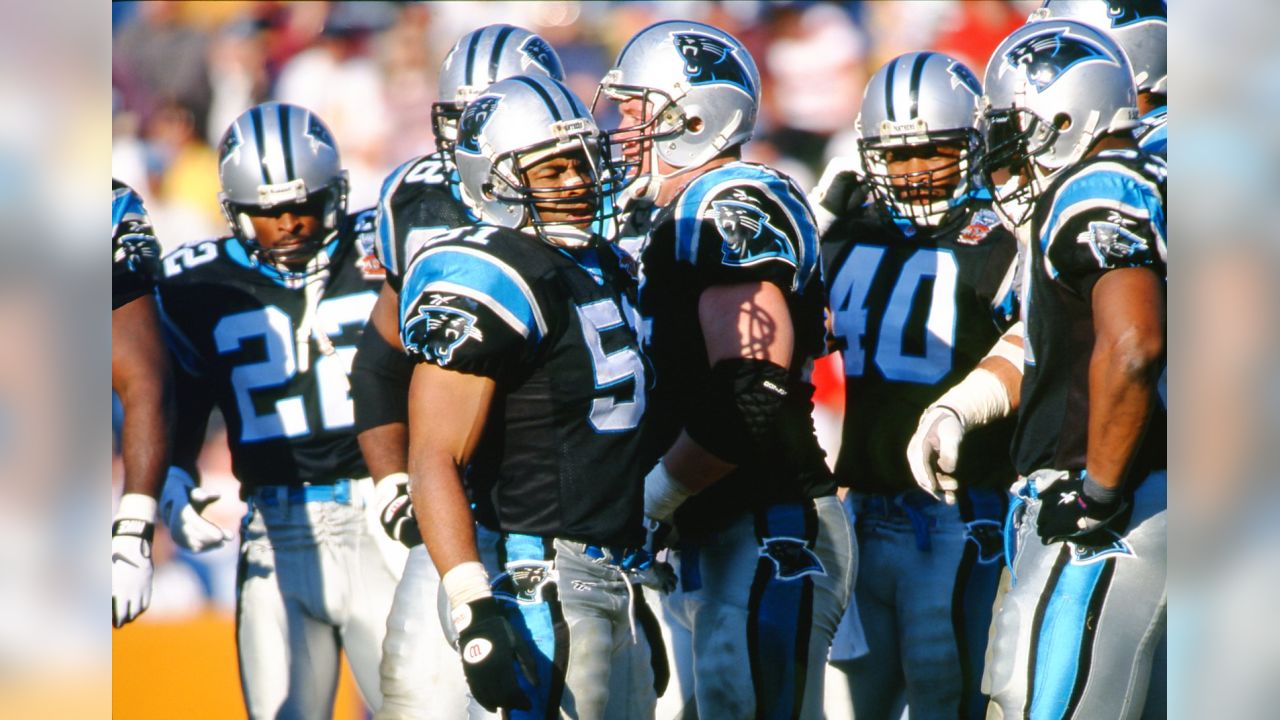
(313, 291)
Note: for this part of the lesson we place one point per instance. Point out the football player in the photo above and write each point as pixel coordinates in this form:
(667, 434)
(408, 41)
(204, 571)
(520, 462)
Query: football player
(1074, 636)
(731, 299)
(421, 199)
(1140, 28)
(141, 376)
(529, 378)
(264, 324)
(921, 284)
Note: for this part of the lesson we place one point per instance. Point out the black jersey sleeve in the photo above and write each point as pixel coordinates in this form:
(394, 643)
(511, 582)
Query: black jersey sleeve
(135, 253)
(465, 309)
(745, 223)
(416, 204)
(1105, 217)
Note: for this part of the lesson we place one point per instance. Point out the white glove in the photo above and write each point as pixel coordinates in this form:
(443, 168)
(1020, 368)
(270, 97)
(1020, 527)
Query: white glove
(131, 568)
(181, 503)
(934, 450)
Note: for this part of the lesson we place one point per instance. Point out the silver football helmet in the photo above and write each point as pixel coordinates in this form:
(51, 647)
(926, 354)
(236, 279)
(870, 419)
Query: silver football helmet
(700, 91)
(515, 124)
(918, 102)
(1052, 89)
(279, 154)
(479, 59)
(1139, 27)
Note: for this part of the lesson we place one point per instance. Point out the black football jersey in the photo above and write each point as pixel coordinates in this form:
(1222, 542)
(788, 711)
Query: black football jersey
(738, 223)
(135, 254)
(559, 452)
(913, 313)
(1105, 213)
(273, 353)
(418, 201)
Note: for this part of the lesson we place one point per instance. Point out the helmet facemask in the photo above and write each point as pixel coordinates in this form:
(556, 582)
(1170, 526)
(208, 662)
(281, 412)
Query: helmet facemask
(633, 149)
(929, 197)
(328, 204)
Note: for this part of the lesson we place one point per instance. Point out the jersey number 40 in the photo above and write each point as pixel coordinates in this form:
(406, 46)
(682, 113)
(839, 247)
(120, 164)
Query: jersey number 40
(849, 292)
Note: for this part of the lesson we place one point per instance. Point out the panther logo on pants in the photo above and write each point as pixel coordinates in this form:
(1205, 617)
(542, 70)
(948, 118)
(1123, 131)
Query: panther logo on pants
(988, 536)
(792, 559)
(523, 581)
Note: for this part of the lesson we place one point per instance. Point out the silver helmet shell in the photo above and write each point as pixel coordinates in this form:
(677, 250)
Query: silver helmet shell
(1139, 27)
(700, 87)
(481, 58)
(276, 154)
(920, 98)
(1052, 89)
(514, 124)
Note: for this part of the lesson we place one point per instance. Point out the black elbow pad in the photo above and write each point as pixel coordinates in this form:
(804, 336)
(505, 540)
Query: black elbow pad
(737, 410)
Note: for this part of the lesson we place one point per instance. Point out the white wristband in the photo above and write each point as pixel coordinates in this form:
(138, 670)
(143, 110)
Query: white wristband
(663, 493)
(977, 400)
(136, 506)
(466, 582)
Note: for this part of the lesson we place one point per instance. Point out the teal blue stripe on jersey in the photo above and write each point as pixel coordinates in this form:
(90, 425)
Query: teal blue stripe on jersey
(386, 245)
(1112, 188)
(1061, 633)
(474, 271)
(689, 225)
(125, 202)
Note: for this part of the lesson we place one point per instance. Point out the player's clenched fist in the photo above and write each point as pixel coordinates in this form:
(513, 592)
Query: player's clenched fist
(492, 654)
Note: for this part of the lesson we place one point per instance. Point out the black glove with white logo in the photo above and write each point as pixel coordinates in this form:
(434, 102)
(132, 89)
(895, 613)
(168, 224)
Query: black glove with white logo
(1068, 511)
(396, 511)
(492, 654)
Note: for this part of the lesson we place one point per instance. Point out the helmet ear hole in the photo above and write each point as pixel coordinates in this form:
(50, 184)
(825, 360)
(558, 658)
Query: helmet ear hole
(1062, 121)
(487, 190)
(694, 125)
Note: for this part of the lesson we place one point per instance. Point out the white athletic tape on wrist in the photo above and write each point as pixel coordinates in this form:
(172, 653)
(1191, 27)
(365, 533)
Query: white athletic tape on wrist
(1015, 354)
(464, 583)
(136, 506)
(977, 400)
(662, 493)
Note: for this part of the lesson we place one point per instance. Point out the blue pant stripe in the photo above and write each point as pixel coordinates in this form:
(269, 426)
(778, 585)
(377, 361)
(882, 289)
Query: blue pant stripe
(542, 626)
(1060, 636)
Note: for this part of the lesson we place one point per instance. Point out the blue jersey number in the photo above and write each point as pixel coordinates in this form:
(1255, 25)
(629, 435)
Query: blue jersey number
(849, 292)
(287, 417)
(609, 414)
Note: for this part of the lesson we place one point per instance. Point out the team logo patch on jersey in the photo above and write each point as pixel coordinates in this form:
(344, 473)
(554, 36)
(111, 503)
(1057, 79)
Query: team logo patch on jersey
(1045, 56)
(137, 248)
(988, 536)
(1132, 12)
(523, 581)
(1089, 554)
(708, 60)
(748, 233)
(792, 559)
(1111, 240)
(538, 52)
(438, 329)
(473, 121)
(983, 222)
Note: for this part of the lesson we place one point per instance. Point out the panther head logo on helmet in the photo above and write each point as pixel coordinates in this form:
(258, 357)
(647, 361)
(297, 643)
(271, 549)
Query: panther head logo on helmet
(1049, 54)
(1132, 12)
(709, 60)
(473, 121)
(540, 53)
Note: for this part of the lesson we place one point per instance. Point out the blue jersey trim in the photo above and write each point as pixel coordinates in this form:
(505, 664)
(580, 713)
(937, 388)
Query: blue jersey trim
(689, 223)
(124, 202)
(1105, 188)
(385, 222)
(489, 281)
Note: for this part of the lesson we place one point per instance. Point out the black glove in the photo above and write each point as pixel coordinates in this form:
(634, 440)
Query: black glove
(398, 518)
(1067, 512)
(846, 193)
(491, 653)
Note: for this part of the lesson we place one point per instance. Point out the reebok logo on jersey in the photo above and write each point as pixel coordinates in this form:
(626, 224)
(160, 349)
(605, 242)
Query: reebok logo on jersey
(792, 559)
(477, 650)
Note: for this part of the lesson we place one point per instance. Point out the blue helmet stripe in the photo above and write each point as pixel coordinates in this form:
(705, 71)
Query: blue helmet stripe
(542, 93)
(259, 137)
(917, 71)
(471, 57)
(888, 91)
(286, 140)
(495, 56)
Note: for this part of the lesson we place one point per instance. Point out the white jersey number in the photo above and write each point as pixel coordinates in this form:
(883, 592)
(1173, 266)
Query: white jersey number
(287, 417)
(609, 414)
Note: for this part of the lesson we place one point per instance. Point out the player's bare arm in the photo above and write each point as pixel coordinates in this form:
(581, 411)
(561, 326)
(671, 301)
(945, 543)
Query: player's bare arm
(1128, 319)
(447, 412)
(140, 374)
(386, 446)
